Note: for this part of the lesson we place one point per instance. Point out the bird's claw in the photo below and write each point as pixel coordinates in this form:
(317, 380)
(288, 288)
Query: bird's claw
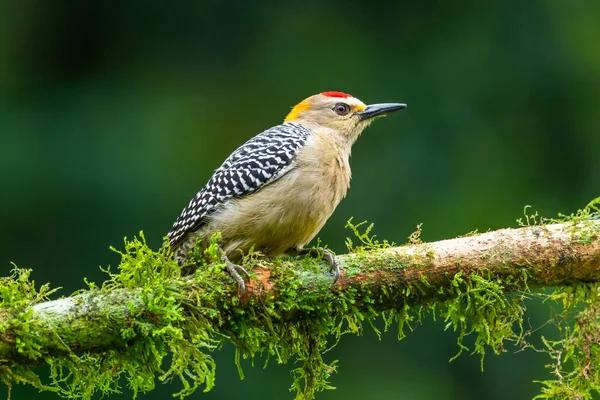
(235, 270)
(326, 255)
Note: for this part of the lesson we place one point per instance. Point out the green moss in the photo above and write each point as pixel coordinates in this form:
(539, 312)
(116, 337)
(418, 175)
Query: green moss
(481, 307)
(158, 324)
(17, 295)
(590, 211)
(368, 241)
(267, 326)
(575, 354)
(188, 317)
(477, 305)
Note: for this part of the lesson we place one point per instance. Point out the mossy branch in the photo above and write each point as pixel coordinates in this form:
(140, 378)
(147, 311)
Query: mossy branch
(147, 310)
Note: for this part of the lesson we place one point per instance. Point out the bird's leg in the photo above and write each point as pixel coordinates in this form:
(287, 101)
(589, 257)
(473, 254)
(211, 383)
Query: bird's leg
(323, 253)
(236, 271)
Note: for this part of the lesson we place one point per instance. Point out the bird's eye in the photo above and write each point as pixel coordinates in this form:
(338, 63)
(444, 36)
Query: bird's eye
(341, 108)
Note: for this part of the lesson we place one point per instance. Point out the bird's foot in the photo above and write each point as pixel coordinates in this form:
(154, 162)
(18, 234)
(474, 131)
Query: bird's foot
(236, 272)
(326, 255)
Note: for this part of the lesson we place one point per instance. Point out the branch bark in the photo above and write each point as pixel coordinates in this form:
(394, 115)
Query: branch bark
(545, 255)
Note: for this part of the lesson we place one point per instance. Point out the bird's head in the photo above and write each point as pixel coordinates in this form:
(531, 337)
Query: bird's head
(340, 112)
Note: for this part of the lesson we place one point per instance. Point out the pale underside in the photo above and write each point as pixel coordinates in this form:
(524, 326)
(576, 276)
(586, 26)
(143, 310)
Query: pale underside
(287, 213)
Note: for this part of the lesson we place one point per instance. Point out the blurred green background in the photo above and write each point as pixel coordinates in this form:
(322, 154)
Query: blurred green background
(113, 114)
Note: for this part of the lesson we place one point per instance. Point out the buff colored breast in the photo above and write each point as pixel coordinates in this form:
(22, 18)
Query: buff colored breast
(291, 213)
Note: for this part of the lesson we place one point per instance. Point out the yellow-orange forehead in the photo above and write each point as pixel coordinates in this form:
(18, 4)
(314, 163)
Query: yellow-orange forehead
(297, 110)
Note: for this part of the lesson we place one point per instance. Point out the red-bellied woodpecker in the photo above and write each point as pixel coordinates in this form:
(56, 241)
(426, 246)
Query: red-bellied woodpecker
(277, 190)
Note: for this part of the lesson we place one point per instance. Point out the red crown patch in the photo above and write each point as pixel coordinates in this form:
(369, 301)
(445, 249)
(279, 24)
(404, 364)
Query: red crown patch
(336, 94)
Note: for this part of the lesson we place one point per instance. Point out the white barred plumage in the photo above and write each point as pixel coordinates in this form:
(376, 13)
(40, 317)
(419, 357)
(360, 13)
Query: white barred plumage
(259, 161)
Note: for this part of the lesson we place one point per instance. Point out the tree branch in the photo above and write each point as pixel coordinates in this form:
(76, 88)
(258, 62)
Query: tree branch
(117, 316)
(548, 255)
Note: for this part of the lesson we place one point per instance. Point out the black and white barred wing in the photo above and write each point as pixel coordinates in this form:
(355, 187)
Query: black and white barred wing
(261, 160)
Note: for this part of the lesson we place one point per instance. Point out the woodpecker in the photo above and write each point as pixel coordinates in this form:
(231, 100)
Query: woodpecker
(277, 190)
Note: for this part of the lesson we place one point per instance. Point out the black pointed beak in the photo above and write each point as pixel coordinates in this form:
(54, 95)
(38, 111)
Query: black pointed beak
(382, 109)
